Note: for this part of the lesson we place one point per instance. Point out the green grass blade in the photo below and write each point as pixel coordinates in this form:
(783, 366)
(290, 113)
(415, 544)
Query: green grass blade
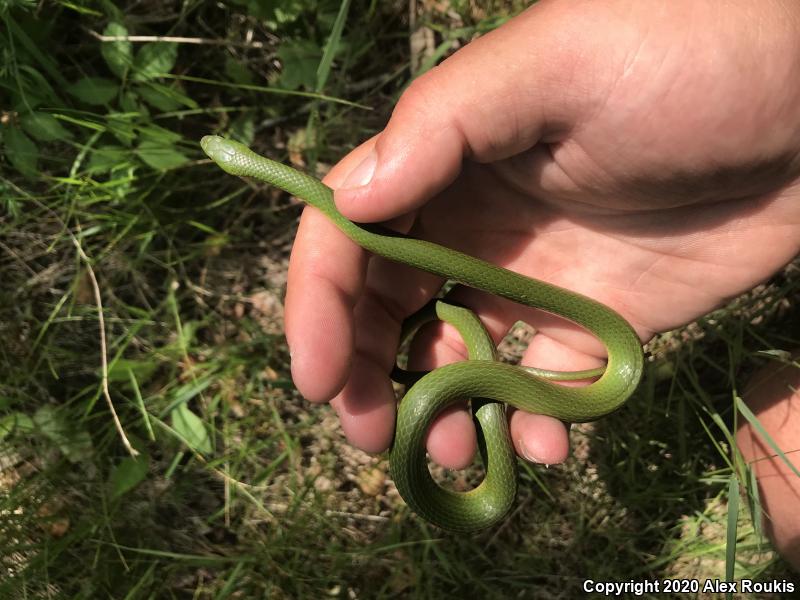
(324, 68)
(267, 90)
(230, 584)
(754, 498)
(323, 71)
(140, 404)
(733, 519)
(753, 420)
(33, 49)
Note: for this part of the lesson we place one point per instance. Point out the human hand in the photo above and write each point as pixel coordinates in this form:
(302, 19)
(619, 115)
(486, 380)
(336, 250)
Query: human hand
(645, 155)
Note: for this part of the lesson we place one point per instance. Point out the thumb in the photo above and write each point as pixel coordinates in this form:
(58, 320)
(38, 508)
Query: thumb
(495, 98)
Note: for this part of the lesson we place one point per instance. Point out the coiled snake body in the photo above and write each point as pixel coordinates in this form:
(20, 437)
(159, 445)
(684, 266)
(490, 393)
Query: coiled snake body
(482, 377)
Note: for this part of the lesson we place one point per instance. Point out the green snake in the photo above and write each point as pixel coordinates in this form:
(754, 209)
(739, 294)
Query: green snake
(482, 378)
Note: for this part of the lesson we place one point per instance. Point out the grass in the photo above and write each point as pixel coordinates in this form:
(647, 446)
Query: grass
(240, 489)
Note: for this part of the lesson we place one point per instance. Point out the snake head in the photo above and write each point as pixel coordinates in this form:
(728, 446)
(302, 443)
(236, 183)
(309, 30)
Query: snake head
(224, 152)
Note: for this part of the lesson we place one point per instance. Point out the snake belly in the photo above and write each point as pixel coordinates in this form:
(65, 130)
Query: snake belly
(482, 377)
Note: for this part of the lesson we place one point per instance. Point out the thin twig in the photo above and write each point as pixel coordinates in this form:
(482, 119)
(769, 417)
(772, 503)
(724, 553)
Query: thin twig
(175, 39)
(101, 320)
(281, 508)
(103, 348)
(351, 515)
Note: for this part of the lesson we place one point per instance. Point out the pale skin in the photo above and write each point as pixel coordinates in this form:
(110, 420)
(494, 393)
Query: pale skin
(645, 154)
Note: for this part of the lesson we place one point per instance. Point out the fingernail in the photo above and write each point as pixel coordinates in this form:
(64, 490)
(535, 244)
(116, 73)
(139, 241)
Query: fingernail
(363, 173)
(528, 455)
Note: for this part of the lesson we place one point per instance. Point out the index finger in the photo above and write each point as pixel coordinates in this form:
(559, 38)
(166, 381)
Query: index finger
(326, 277)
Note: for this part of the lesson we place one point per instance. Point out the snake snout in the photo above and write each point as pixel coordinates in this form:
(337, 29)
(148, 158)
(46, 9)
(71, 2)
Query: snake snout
(210, 144)
(218, 149)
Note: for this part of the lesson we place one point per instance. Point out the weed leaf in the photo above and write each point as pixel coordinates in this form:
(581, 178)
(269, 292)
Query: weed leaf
(15, 422)
(121, 369)
(163, 97)
(299, 59)
(163, 136)
(121, 127)
(159, 156)
(103, 160)
(128, 474)
(94, 90)
(73, 442)
(21, 151)
(119, 53)
(44, 127)
(154, 60)
(191, 428)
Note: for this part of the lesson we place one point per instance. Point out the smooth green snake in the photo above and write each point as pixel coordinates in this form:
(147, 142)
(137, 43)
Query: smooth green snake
(482, 378)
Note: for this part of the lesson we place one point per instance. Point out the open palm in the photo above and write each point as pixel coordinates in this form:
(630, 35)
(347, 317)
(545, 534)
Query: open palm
(658, 177)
